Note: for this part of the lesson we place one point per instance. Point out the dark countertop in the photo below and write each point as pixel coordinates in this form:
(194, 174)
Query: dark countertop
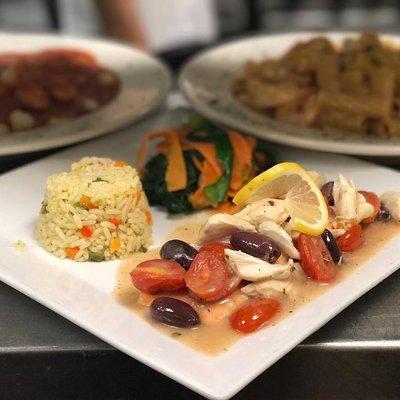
(44, 356)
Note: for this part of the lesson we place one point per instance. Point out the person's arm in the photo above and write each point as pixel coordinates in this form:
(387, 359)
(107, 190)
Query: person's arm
(122, 21)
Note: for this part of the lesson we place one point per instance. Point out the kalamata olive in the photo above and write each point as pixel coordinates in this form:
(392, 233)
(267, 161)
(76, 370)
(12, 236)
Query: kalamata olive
(326, 191)
(174, 312)
(179, 251)
(332, 246)
(384, 214)
(255, 244)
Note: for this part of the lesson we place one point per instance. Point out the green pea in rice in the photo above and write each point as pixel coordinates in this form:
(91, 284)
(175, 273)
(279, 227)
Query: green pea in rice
(103, 197)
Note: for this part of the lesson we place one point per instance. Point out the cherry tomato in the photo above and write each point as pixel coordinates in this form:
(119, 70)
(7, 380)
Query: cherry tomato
(207, 277)
(254, 314)
(217, 248)
(316, 260)
(351, 239)
(232, 284)
(154, 276)
(87, 231)
(372, 199)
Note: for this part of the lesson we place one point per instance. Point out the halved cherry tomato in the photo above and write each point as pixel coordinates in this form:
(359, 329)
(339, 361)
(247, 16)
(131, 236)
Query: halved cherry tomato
(87, 231)
(316, 260)
(154, 276)
(254, 314)
(372, 199)
(351, 239)
(216, 248)
(207, 277)
(232, 284)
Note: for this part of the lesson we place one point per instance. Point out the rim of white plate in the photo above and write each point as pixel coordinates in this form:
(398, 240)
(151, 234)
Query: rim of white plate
(204, 82)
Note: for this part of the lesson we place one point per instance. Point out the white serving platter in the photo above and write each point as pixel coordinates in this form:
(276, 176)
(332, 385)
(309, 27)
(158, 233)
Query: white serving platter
(145, 82)
(205, 82)
(81, 292)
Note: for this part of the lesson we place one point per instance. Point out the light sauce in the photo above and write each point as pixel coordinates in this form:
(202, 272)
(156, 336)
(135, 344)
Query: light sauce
(214, 335)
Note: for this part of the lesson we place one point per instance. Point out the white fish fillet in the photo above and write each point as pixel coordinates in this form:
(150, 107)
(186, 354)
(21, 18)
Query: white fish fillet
(268, 289)
(254, 269)
(391, 200)
(264, 210)
(220, 226)
(280, 237)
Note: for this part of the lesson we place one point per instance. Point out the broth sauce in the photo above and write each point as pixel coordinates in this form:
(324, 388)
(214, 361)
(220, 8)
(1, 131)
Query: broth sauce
(214, 334)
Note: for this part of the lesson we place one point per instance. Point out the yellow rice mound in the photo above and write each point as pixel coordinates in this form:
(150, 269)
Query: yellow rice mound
(96, 212)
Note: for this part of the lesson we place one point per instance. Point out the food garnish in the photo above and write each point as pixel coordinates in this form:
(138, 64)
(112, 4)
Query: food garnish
(303, 199)
(199, 165)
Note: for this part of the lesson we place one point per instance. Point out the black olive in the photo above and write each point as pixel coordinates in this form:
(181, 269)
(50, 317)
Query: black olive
(326, 191)
(384, 214)
(179, 251)
(255, 244)
(174, 312)
(332, 246)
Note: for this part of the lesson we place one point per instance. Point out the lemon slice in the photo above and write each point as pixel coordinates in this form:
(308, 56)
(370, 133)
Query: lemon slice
(303, 200)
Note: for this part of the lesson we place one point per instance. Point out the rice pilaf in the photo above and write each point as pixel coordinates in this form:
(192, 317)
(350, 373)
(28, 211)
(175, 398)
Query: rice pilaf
(96, 212)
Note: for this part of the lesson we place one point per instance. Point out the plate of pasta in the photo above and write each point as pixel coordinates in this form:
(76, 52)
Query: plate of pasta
(333, 91)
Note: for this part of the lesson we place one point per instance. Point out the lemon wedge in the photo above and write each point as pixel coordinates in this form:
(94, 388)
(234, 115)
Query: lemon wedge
(303, 200)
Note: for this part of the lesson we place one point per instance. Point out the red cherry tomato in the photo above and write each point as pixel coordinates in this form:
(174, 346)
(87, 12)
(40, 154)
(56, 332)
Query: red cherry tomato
(351, 239)
(254, 314)
(232, 284)
(155, 276)
(217, 248)
(316, 260)
(207, 277)
(372, 199)
(87, 231)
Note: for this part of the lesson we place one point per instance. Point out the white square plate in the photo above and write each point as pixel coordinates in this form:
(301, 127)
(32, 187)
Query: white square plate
(82, 292)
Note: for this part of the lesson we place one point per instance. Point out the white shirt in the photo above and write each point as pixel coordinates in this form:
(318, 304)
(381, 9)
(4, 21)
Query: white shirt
(168, 24)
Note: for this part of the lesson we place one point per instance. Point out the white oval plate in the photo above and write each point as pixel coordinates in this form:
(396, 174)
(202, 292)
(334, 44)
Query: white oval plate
(83, 292)
(145, 83)
(205, 82)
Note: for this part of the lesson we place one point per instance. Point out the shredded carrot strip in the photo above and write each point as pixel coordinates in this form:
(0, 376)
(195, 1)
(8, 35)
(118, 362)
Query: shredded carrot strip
(208, 176)
(143, 149)
(252, 141)
(207, 150)
(197, 163)
(175, 177)
(242, 159)
(162, 147)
